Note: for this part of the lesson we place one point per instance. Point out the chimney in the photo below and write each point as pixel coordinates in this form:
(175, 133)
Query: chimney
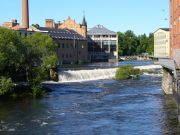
(50, 23)
(25, 14)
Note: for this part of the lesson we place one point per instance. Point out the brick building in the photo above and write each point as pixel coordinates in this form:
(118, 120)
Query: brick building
(70, 25)
(13, 24)
(175, 30)
(70, 38)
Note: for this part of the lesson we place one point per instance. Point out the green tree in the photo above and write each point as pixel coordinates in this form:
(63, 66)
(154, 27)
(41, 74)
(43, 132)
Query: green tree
(6, 86)
(11, 53)
(41, 56)
(150, 47)
(131, 44)
(127, 43)
(28, 59)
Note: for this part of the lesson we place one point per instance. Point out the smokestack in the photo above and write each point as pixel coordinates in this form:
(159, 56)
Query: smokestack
(25, 14)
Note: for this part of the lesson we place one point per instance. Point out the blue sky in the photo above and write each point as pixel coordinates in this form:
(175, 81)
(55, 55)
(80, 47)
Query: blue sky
(141, 16)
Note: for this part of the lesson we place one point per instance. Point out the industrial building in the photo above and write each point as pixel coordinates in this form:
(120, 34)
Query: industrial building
(102, 44)
(162, 43)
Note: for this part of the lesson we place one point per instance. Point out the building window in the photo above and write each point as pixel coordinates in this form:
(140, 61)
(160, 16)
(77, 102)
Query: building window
(59, 45)
(66, 55)
(67, 45)
(62, 55)
(62, 45)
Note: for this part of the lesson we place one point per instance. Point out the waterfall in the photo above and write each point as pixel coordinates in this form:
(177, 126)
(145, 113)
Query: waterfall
(96, 74)
(86, 75)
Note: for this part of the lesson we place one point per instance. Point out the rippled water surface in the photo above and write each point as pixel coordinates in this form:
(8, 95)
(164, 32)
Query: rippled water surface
(105, 107)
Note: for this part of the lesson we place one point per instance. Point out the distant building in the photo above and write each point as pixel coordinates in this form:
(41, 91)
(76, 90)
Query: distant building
(13, 24)
(25, 18)
(162, 43)
(72, 45)
(69, 36)
(70, 25)
(102, 44)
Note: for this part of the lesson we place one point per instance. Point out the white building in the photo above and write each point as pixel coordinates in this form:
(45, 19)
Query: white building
(162, 43)
(102, 44)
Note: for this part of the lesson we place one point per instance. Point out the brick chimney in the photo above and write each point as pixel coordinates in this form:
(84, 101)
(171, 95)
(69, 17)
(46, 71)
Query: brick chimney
(49, 23)
(25, 14)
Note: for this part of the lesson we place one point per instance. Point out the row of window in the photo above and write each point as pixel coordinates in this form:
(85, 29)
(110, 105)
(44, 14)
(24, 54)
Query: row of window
(71, 55)
(105, 36)
(67, 45)
(160, 42)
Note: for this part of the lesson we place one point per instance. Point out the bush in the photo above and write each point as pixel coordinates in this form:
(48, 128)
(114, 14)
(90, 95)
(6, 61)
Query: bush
(126, 72)
(37, 91)
(6, 86)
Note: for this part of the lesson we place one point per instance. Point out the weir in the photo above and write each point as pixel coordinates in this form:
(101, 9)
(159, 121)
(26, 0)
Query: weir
(79, 75)
(86, 75)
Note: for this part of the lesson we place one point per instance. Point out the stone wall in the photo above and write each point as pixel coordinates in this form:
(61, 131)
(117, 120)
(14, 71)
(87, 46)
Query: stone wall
(167, 82)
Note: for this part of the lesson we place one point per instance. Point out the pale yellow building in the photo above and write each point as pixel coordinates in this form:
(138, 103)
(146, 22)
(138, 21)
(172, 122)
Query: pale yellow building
(162, 43)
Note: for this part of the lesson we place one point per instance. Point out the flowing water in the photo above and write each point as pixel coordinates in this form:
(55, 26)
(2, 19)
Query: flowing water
(101, 107)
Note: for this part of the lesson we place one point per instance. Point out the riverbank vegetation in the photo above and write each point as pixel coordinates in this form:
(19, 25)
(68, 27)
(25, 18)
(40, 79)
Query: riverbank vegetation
(25, 62)
(132, 44)
(126, 72)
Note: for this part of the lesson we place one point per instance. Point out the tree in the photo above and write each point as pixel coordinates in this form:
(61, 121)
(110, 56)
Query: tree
(127, 43)
(150, 48)
(131, 44)
(6, 86)
(41, 56)
(25, 59)
(11, 53)
(36, 25)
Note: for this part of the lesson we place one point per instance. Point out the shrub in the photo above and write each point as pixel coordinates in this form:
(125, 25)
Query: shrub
(37, 91)
(126, 72)
(6, 86)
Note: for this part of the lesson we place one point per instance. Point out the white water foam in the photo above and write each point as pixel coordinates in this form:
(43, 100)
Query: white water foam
(94, 74)
(86, 75)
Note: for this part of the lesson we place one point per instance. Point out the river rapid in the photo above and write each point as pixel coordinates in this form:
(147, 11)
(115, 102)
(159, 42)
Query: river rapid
(99, 107)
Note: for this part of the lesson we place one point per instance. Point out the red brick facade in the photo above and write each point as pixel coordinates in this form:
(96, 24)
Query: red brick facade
(25, 18)
(68, 24)
(13, 24)
(175, 30)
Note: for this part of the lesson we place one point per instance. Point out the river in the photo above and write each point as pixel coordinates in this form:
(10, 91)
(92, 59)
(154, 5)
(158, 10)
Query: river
(99, 107)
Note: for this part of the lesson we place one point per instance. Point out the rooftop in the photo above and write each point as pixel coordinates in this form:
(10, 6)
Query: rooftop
(165, 29)
(100, 30)
(62, 33)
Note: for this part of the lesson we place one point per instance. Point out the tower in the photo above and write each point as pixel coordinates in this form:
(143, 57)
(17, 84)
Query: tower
(84, 27)
(25, 14)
